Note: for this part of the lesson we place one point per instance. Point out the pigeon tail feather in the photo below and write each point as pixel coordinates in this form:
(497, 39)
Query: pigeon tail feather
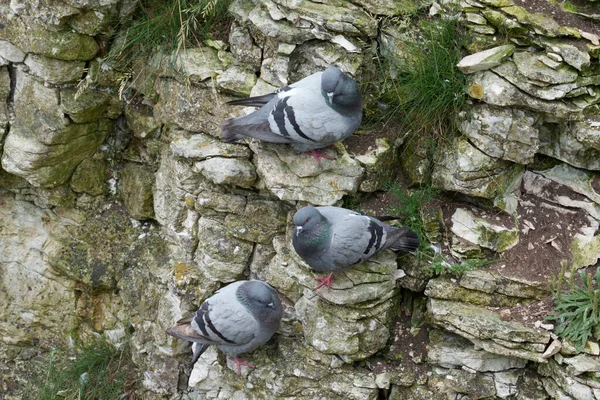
(238, 128)
(403, 239)
(256, 101)
(200, 349)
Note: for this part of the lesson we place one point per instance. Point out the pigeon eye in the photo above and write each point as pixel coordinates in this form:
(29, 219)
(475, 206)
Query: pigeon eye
(307, 219)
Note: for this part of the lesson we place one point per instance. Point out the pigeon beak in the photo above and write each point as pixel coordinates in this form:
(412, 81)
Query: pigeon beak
(298, 230)
(330, 95)
(270, 305)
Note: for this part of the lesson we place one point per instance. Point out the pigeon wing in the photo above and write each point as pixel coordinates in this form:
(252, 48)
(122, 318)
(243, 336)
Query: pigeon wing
(356, 238)
(223, 320)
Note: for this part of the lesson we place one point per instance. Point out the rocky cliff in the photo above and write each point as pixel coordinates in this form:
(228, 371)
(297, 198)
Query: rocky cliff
(121, 210)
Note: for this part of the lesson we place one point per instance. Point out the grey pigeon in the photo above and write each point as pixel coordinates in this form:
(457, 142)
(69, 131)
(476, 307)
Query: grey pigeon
(332, 239)
(310, 114)
(237, 319)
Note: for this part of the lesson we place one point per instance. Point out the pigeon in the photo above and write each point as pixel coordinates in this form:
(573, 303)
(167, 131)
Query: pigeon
(332, 239)
(310, 114)
(237, 319)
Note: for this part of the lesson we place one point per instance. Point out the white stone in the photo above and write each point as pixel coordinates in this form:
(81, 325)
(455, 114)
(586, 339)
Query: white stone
(485, 59)
(486, 234)
(10, 52)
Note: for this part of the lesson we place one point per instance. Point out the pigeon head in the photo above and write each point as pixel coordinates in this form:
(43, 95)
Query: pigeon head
(261, 300)
(307, 219)
(340, 91)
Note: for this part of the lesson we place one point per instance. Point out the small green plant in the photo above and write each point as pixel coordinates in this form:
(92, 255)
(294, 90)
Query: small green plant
(410, 205)
(97, 371)
(439, 265)
(165, 27)
(576, 307)
(423, 89)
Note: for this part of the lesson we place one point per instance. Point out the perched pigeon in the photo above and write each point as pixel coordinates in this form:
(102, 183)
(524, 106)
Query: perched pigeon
(310, 114)
(237, 319)
(334, 239)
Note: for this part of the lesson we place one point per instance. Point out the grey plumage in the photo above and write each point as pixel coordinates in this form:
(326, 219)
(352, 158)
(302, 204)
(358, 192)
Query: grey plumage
(333, 239)
(237, 319)
(310, 114)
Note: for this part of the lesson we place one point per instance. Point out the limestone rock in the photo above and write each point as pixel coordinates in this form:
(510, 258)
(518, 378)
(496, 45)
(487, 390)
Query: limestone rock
(49, 165)
(569, 53)
(219, 255)
(451, 351)
(492, 89)
(34, 38)
(487, 330)
(136, 189)
(415, 392)
(54, 71)
(87, 107)
(482, 232)
(379, 164)
(92, 250)
(220, 202)
(91, 22)
(290, 176)
(545, 188)
(575, 143)
(192, 108)
(504, 24)
(90, 177)
(541, 23)
(445, 289)
(559, 379)
(463, 168)
(503, 133)
(509, 71)
(315, 56)
(33, 295)
(175, 184)
(578, 180)
(383, 7)
(531, 67)
(260, 221)
(236, 81)
(35, 104)
(485, 59)
(10, 52)
(337, 16)
(200, 147)
(227, 171)
(243, 47)
(581, 364)
(460, 381)
(196, 64)
(274, 70)
(332, 333)
(141, 121)
(257, 17)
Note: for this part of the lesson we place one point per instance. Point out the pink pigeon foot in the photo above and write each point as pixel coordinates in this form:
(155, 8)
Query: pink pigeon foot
(324, 282)
(239, 362)
(318, 155)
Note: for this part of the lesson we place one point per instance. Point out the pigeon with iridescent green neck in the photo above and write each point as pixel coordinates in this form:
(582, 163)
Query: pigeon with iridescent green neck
(237, 319)
(310, 114)
(332, 239)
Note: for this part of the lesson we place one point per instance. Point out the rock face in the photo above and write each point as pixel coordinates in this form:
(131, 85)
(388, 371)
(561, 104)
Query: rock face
(121, 209)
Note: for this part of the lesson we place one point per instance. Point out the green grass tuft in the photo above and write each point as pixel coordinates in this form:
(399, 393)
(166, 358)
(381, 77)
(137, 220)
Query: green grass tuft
(439, 266)
(165, 27)
(423, 90)
(576, 307)
(410, 205)
(98, 370)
